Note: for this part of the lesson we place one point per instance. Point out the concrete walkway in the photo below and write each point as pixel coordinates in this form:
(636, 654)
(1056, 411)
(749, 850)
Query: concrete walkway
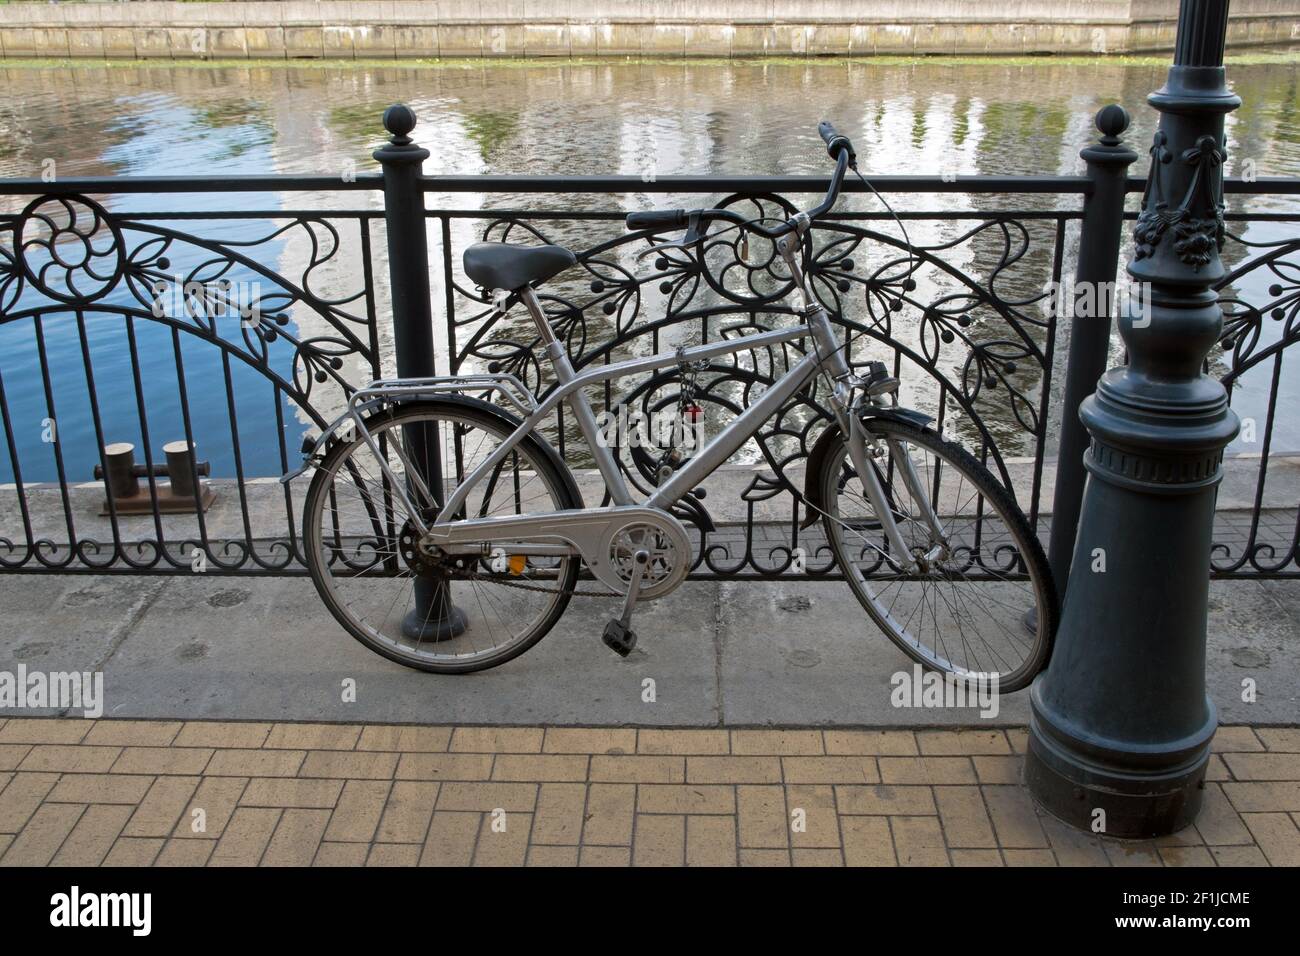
(743, 654)
(136, 793)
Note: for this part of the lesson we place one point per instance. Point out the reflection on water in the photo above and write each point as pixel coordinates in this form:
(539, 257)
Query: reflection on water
(648, 119)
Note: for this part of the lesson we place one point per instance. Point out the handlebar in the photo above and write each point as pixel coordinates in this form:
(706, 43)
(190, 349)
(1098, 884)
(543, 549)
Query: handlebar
(838, 147)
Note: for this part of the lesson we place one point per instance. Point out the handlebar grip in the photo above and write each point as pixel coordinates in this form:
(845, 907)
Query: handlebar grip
(657, 219)
(835, 141)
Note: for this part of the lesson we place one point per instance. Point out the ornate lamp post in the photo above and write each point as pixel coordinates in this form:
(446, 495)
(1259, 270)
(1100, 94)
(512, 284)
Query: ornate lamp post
(1121, 723)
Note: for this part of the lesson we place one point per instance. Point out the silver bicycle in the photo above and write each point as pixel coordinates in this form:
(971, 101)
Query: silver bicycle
(445, 533)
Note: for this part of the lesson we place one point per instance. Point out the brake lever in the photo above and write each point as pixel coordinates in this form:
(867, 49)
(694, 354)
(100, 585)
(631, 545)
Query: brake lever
(693, 235)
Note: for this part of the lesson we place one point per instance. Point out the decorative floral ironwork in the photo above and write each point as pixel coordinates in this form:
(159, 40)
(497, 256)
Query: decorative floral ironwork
(1197, 220)
(66, 256)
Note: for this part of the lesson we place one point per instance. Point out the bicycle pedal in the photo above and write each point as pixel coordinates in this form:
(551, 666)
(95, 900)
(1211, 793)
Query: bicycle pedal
(619, 638)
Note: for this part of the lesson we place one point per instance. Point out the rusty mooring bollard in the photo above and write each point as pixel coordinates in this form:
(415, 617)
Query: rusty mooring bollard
(122, 481)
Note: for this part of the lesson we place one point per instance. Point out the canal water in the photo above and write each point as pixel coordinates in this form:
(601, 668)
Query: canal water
(929, 116)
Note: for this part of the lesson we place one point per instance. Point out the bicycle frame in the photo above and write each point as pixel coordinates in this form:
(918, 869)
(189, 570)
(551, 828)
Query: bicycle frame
(825, 356)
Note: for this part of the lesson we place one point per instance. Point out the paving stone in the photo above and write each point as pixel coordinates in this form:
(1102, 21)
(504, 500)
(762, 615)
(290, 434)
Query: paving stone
(560, 811)
(486, 797)
(610, 810)
(1238, 856)
(133, 733)
(358, 812)
(659, 840)
(69, 758)
(711, 841)
(926, 770)
(1029, 858)
(93, 836)
(503, 839)
(313, 737)
(605, 856)
(451, 838)
(867, 841)
(1134, 853)
(1276, 834)
(255, 763)
(1264, 766)
(134, 851)
(1007, 770)
(1279, 739)
(884, 800)
(393, 854)
(683, 742)
(490, 740)
(1281, 797)
(44, 730)
(246, 837)
(341, 854)
(436, 766)
(640, 768)
(539, 767)
(962, 742)
(1014, 818)
(349, 765)
(285, 792)
(296, 838)
(892, 743)
(751, 769)
(976, 858)
(183, 761)
(564, 856)
(583, 740)
(217, 799)
(100, 788)
(1235, 740)
(1218, 823)
(918, 841)
(161, 807)
(762, 819)
(965, 822)
(21, 797)
(814, 805)
(686, 798)
(223, 734)
(760, 857)
(777, 742)
(177, 852)
(829, 770)
(407, 813)
(405, 739)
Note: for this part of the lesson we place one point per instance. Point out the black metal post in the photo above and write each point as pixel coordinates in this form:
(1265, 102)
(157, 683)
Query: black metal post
(1121, 724)
(432, 616)
(1092, 301)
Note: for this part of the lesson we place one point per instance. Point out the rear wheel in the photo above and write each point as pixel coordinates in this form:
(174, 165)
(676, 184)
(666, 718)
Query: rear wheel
(963, 612)
(363, 552)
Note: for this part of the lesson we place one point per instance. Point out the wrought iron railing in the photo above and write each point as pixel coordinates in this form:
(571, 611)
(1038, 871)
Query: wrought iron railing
(124, 326)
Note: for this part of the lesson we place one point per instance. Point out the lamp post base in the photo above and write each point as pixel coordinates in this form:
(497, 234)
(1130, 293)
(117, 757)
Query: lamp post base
(433, 618)
(1118, 788)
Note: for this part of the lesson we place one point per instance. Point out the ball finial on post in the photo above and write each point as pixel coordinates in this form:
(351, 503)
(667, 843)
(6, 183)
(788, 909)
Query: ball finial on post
(399, 120)
(1112, 122)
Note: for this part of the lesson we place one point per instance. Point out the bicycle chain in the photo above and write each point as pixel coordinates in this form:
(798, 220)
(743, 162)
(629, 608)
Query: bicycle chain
(572, 592)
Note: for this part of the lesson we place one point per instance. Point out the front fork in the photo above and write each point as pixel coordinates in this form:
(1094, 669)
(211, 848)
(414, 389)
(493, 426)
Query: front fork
(846, 404)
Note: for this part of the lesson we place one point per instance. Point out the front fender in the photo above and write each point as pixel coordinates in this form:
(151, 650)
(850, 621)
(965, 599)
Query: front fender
(812, 483)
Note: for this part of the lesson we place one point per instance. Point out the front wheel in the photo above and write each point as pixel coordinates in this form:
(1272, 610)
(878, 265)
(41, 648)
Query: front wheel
(963, 609)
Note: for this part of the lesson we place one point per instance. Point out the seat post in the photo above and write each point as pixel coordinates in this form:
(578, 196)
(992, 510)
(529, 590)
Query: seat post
(564, 373)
